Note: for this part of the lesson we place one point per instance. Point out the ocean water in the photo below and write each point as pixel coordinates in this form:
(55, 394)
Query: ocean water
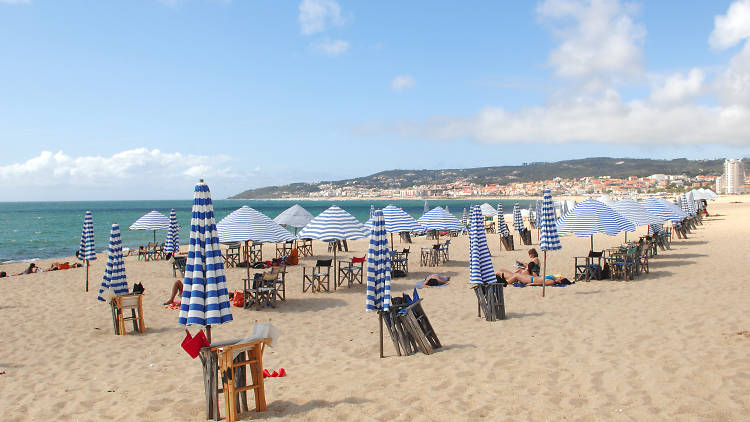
(39, 230)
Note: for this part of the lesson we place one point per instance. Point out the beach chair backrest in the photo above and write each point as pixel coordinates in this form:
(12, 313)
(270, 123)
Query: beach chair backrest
(323, 263)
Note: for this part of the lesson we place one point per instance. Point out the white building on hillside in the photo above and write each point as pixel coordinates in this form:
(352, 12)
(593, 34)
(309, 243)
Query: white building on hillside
(734, 176)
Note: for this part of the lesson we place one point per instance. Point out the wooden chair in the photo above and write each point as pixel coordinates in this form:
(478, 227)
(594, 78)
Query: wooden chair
(400, 261)
(284, 248)
(142, 253)
(232, 255)
(429, 256)
(623, 264)
(351, 271)
(134, 303)
(255, 252)
(304, 246)
(319, 277)
(443, 251)
(235, 361)
(586, 267)
(260, 290)
(277, 277)
(178, 264)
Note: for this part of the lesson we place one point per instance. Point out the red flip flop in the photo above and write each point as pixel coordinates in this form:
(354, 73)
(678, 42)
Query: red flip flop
(266, 374)
(282, 372)
(274, 374)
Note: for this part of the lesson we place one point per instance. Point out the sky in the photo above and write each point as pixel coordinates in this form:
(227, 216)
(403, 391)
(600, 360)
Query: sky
(139, 99)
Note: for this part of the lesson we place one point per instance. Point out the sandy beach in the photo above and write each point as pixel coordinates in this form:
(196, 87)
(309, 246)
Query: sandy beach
(671, 345)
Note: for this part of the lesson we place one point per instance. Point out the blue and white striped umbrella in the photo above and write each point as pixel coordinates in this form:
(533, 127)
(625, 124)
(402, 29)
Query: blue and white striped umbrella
(517, 218)
(480, 263)
(333, 224)
(294, 216)
(397, 221)
(152, 220)
(487, 210)
(532, 214)
(502, 228)
(438, 219)
(172, 245)
(655, 229)
(114, 282)
(372, 210)
(465, 218)
(205, 299)
(378, 267)
(691, 203)
(538, 208)
(87, 251)
(548, 238)
(663, 208)
(635, 212)
(247, 223)
(684, 204)
(592, 216)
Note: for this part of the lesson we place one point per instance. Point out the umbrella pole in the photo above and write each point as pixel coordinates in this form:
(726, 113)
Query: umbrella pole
(391, 239)
(380, 314)
(86, 263)
(592, 242)
(208, 334)
(544, 273)
(247, 262)
(154, 236)
(335, 271)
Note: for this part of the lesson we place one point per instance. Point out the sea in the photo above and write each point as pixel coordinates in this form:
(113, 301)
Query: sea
(40, 230)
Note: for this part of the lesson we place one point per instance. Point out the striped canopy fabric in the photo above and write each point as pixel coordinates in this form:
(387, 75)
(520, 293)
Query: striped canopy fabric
(372, 210)
(397, 221)
(87, 251)
(378, 296)
(294, 216)
(684, 204)
(655, 229)
(247, 223)
(333, 224)
(465, 217)
(517, 218)
(548, 238)
(114, 282)
(205, 299)
(532, 214)
(502, 228)
(152, 220)
(538, 208)
(487, 210)
(172, 245)
(664, 209)
(691, 203)
(634, 212)
(592, 216)
(438, 219)
(480, 263)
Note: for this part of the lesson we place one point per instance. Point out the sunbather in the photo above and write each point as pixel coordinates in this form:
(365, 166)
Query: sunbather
(436, 280)
(530, 280)
(176, 289)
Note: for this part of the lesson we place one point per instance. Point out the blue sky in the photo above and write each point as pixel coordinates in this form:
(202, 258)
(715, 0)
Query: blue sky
(138, 99)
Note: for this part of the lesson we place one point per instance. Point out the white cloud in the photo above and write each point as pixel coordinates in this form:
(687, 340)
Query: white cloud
(678, 88)
(316, 15)
(733, 27)
(598, 38)
(402, 82)
(136, 167)
(330, 47)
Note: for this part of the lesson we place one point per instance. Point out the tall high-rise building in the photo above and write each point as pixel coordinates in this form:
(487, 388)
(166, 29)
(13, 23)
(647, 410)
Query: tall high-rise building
(734, 176)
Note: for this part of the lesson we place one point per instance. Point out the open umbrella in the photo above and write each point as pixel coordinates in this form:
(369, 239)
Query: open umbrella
(662, 208)
(378, 271)
(548, 239)
(172, 245)
(114, 282)
(205, 299)
(294, 216)
(331, 225)
(87, 251)
(438, 219)
(487, 210)
(592, 216)
(246, 224)
(397, 221)
(634, 212)
(152, 220)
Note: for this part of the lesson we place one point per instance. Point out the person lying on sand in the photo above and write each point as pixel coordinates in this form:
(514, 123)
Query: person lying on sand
(176, 289)
(436, 280)
(530, 280)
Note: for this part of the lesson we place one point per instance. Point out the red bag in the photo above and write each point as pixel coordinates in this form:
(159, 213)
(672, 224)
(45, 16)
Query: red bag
(193, 345)
(239, 299)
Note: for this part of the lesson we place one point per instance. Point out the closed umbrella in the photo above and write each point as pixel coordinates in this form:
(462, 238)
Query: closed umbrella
(372, 210)
(294, 216)
(246, 224)
(480, 263)
(532, 215)
(548, 238)
(114, 282)
(517, 218)
(592, 216)
(378, 297)
(205, 299)
(465, 217)
(152, 220)
(172, 245)
(87, 251)
(331, 225)
(502, 228)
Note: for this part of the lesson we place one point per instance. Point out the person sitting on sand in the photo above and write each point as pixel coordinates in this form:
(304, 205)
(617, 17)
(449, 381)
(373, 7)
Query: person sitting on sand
(436, 280)
(530, 280)
(532, 268)
(176, 289)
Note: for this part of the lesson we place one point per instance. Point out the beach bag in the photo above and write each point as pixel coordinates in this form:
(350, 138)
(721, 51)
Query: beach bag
(193, 345)
(239, 299)
(293, 258)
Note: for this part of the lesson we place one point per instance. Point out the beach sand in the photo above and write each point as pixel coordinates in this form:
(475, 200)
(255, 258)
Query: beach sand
(672, 345)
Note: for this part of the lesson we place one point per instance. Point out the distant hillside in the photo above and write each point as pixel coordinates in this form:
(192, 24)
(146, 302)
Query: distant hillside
(570, 169)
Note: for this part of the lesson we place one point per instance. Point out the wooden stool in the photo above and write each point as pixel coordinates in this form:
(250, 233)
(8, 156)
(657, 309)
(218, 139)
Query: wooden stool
(234, 376)
(134, 302)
